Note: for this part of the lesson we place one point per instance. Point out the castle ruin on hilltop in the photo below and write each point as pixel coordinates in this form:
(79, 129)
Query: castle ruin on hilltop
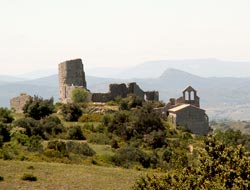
(183, 111)
(72, 75)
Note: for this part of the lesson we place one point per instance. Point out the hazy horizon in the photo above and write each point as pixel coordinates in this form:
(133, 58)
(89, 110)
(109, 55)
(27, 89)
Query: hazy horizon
(37, 35)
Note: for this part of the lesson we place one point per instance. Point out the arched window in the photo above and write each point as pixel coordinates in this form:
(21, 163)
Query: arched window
(186, 95)
(192, 95)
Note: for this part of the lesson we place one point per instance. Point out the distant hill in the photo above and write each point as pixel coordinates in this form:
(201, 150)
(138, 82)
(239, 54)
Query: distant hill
(224, 97)
(200, 67)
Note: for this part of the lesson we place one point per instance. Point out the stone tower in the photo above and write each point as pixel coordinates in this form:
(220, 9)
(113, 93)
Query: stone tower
(71, 75)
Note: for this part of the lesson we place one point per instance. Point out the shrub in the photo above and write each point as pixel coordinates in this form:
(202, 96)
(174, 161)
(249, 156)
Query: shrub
(114, 144)
(219, 167)
(52, 125)
(35, 143)
(60, 148)
(30, 167)
(156, 139)
(31, 126)
(4, 134)
(38, 108)
(79, 148)
(1, 178)
(99, 138)
(5, 115)
(75, 133)
(29, 177)
(127, 156)
(71, 112)
(79, 95)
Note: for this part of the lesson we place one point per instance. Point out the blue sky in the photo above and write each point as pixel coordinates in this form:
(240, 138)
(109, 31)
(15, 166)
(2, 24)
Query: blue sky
(39, 34)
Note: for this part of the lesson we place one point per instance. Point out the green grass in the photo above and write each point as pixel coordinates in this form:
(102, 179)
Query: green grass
(52, 176)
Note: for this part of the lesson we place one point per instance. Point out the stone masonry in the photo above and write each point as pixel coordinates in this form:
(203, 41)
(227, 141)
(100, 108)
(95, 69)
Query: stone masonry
(71, 75)
(124, 91)
(17, 103)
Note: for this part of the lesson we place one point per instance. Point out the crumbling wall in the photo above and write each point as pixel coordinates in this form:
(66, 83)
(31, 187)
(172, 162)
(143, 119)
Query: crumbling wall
(101, 97)
(123, 91)
(71, 74)
(118, 90)
(17, 103)
(152, 95)
(133, 88)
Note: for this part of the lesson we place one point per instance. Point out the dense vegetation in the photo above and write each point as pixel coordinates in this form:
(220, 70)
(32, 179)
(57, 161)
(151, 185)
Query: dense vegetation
(129, 134)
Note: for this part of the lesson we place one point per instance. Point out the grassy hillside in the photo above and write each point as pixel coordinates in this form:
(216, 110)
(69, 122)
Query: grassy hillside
(97, 146)
(52, 176)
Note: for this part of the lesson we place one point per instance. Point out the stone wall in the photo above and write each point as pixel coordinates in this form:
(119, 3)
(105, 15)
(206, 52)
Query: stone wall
(123, 91)
(118, 90)
(133, 88)
(17, 103)
(101, 97)
(71, 74)
(152, 95)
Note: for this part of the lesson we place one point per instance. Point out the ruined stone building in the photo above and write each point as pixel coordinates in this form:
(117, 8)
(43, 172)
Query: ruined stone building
(124, 91)
(185, 111)
(17, 103)
(71, 75)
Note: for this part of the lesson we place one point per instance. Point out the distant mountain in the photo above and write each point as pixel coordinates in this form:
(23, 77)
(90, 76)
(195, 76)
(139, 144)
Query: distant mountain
(224, 97)
(39, 74)
(9, 79)
(200, 67)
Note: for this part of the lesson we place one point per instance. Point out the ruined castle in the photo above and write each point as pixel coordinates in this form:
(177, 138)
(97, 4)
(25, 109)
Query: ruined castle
(183, 111)
(72, 75)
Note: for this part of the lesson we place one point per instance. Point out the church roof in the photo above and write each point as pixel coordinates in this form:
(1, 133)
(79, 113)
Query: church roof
(183, 106)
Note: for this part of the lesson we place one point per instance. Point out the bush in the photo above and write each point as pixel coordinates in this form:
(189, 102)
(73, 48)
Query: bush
(29, 177)
(31, 126)
(75, 133)
(5, 115)
(99, 138)
(71, 112)
(141, 124)
(4, 134)
(1, 178)
(79, 148)
(219, 167)
(38, 108)
(59, 146)
(52, 125)
(79, 95)
(127, 156)
(62, 148)
(35, 143)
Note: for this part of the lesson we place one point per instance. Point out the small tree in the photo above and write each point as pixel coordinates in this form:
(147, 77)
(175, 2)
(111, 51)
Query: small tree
(79, 95)
(38, 108)
(71, 112)
(75, 133)
(5, 115)
(219, 167)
